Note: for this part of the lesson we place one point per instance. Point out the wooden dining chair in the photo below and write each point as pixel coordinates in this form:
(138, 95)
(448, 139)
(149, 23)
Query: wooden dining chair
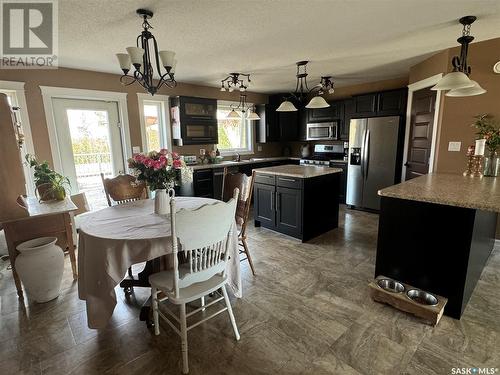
(123, 188)
(205, 244)
(245, 185)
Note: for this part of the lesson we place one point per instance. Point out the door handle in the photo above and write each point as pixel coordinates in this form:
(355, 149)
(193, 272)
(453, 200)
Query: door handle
(272, 201)
(406, 164)
(367, 153)
(278, 201)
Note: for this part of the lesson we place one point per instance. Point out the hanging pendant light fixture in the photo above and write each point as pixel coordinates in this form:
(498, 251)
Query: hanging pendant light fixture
(458, 81)
(234, 82)
(302, 91)
(143, 56)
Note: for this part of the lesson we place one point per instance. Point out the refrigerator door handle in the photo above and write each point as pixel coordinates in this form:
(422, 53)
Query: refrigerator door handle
(367, 153)
(363, 154)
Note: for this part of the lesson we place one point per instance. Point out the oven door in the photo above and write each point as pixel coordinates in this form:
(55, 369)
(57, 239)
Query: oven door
(321, 131)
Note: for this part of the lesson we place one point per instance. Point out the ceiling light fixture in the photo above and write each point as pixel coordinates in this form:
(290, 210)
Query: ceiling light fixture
(302, 91)
(458, 81)
(143, 56)
(234, 82)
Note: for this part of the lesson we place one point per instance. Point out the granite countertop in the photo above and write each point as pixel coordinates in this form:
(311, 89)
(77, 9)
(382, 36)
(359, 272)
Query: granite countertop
(243, 162)
(300, 171)
(449, 189)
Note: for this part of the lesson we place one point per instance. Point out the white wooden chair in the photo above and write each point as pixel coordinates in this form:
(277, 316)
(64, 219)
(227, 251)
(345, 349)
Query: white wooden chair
(203, 235)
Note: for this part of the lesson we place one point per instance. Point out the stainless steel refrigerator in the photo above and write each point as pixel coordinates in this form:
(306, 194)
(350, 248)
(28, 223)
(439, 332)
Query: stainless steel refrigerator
(373, 149)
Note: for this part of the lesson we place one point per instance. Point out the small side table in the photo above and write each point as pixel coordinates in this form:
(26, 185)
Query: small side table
(52, 218)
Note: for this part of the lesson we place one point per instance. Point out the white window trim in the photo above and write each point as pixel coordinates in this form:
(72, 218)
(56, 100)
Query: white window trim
(419, 85)
(163, 99)
(49, 93)
(18, 89)
(249, 129)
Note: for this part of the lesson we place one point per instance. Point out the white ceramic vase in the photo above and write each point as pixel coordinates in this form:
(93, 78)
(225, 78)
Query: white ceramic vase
(40, 266)
(162, 201)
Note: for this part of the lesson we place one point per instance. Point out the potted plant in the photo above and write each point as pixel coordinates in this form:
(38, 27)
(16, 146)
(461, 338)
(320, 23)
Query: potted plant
(489, 129)
(158, 169)
(49, 184)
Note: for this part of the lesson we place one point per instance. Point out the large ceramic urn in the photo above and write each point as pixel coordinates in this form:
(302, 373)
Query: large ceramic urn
(40, 266)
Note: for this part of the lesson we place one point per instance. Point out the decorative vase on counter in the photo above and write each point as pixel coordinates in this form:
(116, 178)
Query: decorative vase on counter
(40, 266)
(492, 164)
(162, 200)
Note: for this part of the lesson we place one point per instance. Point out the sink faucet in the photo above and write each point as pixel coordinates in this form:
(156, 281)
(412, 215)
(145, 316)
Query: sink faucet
(237, 157)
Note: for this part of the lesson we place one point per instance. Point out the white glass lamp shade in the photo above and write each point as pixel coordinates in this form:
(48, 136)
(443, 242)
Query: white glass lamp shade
(124, 60)
(286, 106)
(468, 91)
(452, 81)
(167, 58)
(233, 114)
(317, 102)
(253, 116)
(136, 54)
(222, 89)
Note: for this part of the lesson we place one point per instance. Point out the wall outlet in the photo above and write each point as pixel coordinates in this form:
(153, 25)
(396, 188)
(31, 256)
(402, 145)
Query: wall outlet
(259, 148)
(454, 146)
(136, 149)
(202, 151)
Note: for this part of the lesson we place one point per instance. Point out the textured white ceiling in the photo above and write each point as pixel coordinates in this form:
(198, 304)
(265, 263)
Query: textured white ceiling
(355, 41)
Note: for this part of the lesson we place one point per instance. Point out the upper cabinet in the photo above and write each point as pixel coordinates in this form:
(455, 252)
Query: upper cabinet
(276, 126)
(384, 103)
(194, 120)
(392, 102)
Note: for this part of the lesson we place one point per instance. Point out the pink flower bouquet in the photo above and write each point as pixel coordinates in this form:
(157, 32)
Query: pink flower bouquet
(158, 169)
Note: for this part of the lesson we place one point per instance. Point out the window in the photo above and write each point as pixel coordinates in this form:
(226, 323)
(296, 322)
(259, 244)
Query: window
(155, 133)
(235, 135)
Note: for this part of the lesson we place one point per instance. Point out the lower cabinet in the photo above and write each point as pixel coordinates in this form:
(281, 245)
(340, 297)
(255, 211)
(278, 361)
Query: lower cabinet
(279, 207)
(203, 183)
(299, 207)
(289, 211)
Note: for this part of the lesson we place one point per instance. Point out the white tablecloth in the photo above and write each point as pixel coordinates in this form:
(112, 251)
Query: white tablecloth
(114, 238)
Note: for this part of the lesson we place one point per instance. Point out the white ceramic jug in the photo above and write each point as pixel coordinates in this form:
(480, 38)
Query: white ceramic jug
(162, 200)
(40, 266)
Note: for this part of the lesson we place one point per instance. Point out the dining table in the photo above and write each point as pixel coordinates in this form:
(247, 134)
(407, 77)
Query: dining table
(114, 238)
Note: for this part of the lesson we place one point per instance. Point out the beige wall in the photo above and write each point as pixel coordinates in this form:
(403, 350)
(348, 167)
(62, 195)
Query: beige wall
(82, 79)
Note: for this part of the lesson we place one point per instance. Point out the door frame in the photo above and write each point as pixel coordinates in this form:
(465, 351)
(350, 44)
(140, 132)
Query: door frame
(18, 89)
(419, 85)
(49, 93)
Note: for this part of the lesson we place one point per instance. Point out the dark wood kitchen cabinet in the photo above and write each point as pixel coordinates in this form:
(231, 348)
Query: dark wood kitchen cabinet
(392, 102)
(366, 105)
(194, 120)
(267, 128)
(349, 113)
(203, 183)
(299, 207)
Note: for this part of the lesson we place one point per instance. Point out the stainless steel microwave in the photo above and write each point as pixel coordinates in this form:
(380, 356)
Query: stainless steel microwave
(322, 131)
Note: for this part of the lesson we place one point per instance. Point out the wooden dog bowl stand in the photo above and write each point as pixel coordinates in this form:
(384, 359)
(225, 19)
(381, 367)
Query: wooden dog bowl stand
(431, 314)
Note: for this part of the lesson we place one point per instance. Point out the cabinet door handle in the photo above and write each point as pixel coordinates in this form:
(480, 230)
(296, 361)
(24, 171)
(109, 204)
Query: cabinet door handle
(278, 197)
(287, 179)
(272, 201)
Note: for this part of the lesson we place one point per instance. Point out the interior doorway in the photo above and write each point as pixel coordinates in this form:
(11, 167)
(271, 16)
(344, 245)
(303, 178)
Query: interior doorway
(90, 143)
(422, 128)
(421, 132)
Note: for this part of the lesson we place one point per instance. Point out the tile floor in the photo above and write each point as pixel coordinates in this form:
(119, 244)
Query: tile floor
(306, 312)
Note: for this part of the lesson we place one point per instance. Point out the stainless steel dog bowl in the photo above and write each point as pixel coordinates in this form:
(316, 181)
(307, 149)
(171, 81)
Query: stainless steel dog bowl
(422, 297)
(390, 285)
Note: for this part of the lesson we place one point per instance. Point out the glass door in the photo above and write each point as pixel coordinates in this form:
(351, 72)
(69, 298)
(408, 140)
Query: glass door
(90, 143)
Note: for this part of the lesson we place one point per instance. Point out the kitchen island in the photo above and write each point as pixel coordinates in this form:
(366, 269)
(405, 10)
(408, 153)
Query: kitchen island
(297, 200)
(436, 233)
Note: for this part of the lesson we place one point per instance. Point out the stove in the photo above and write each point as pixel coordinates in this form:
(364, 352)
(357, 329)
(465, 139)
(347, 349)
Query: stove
(326, 155)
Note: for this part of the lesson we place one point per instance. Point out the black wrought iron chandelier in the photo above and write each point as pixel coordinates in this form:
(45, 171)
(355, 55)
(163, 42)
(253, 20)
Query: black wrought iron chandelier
(458, 81)
(234, 82)
(302, 91)
(143, 56)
